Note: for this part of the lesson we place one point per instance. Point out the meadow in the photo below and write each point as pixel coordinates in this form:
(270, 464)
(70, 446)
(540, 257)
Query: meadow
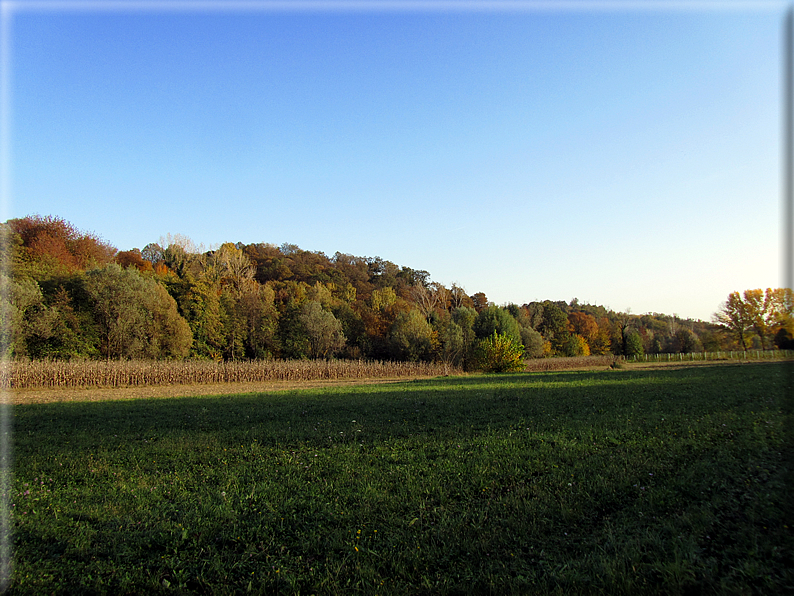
(630, 481)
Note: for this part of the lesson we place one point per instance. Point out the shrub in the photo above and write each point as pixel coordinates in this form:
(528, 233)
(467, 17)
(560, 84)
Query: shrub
(499, 353)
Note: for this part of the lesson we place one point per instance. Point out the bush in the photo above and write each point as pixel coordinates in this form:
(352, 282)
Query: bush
(499, 353)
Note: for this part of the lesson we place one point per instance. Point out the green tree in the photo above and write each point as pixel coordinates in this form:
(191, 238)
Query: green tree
(132, 315)
(233, 324)
(633, 344)
(451, 347)
(464, 317)
(494, 318)
(25, 317)
(554, 326)
(533, 343)
(686, 341)
(167, 334)
(293, 339)
(199, 303)
(411, 336)
(499, 353)
(323, 330)
(257, 309)
(576, 346)
(73, 333)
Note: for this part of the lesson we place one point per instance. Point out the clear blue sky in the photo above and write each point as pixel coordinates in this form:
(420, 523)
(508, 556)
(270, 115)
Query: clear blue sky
(627, 157)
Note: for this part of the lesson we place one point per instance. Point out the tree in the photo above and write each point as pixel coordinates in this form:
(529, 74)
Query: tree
(499, 353)
(533, 343)
(761, 311)
(494, 318)
(51, 245)
(411, 336)
(133, 258)
(576, 346)
(458, 297)
(451, 347)
(784, 315)
(601, 343)
(554, 326)
(623, 322)
(686, 341)
(429, 297)
(323, 330)
(257, 309)
(167, 334)
(479, 300)
(133, 315)
(464, 317)
(633, 344)
(583, 324)
(23, 316)
(382, 298)
(153, 253)
(232, 267)
(735, 315)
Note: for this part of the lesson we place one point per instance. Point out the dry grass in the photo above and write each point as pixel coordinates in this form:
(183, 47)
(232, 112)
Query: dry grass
(52, 381)
(40, 374)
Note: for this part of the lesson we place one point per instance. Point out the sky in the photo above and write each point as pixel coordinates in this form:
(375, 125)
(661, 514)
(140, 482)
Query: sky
(622, 155)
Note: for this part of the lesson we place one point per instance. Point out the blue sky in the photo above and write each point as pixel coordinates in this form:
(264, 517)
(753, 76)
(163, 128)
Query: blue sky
(626, 157)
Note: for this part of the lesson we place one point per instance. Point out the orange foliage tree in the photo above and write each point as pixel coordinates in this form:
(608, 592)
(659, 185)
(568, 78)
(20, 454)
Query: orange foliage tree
(55, 244)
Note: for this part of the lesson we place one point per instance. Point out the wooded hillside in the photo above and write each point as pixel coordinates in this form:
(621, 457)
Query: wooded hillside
(68, 294)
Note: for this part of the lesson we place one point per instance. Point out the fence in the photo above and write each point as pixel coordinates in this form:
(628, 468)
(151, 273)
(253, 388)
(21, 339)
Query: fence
(732, 355)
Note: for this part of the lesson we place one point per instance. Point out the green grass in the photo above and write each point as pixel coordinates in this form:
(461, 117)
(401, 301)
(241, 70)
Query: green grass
(614, 482)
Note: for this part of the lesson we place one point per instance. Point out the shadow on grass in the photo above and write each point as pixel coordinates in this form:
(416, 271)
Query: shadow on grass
(460, 406)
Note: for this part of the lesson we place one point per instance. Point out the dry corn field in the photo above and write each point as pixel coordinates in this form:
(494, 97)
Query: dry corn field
(141, 373)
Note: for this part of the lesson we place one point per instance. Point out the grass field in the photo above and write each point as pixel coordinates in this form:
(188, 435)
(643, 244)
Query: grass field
(657, 481)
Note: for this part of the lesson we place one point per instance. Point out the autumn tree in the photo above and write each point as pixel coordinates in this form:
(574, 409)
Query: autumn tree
(784, 311)
(382, 298)
(51, 245)
(686, 341)
(736, 316)
(583, 324)
(153, 253)
(479, 301)
(133, 258)
(458, 297)
(232, 267)
(429, 297)
(166, 334)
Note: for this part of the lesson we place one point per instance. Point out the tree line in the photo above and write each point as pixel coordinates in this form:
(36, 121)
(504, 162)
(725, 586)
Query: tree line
(68, 294)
